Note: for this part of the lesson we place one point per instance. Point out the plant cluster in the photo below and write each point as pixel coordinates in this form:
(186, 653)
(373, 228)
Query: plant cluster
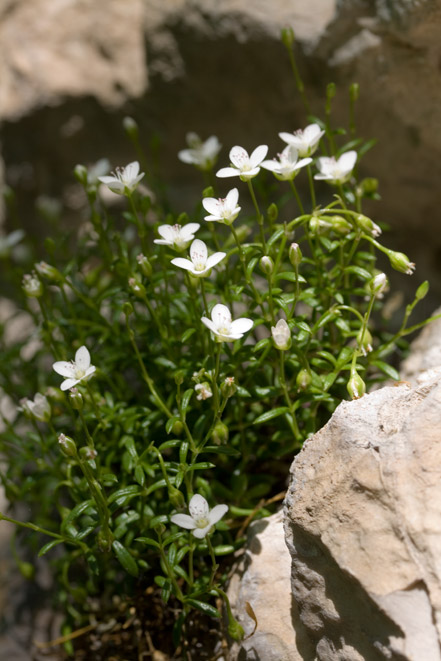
(182, 361)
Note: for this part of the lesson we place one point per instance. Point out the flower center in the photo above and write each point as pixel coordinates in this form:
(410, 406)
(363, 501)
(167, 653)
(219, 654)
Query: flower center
(79, 373)
(202, 521)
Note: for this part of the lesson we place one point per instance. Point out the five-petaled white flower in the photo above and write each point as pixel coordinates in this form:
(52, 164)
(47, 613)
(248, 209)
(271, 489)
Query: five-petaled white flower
(177, 236)
(336, 171)
(223, 327)
(201, 518)
(200, 264)
(244, 166)
(201, 154)
(224, 210)
(281, 335)
(287, 165)
(124, 180)
(75, 371)
(40, 409)
(306, 141)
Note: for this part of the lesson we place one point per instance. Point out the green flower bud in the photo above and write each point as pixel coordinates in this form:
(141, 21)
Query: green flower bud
(127, 309)
(137, 287)
(177, 428)
(130, 127)
(80, 173)
(368, 185)
(331, 91)
(319, 225)
(88, 454)
(49, 272)
(32, 286)
(288, 37)
(179, 377)
(354, 92)
(266, 264)
(340, 225)
(228, 388)
(67, 445)
(356, 386)
(364, 341)
(176, 497)
(400, 262)
(272, 212)
(220, 434)
(422, 291)
(208, 192)
(26, 570)
(144, 265)
(367, 225)
(303, 379)
(378, 285)
(76, 399)
(295, 254)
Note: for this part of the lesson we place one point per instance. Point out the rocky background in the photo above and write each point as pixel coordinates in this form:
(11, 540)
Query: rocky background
(70, 70)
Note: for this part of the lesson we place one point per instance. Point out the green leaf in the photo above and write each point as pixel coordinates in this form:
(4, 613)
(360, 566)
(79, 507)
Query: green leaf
(76, 512)
(132, 490)
(140, 475)
(291, 276)
(276, 236)
(125, 558)
(224, 549)
(188, 333)
(170, 422)
(261, 344)
(251, 266)
(208, 609)
(149, 541)
(359, 272)
(221, 449)
(186, 400)
(50, 545)
(269, 415)
(387, 369)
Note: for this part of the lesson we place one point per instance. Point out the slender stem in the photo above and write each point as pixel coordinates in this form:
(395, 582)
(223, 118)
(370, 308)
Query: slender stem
(89, 438)
(298, 81)
(94, 403)
(297, 196)
(44, 531)
(311, 186)
(204, 298)
(140, 226)
(213, 560)
(292, 421)
(259, 215)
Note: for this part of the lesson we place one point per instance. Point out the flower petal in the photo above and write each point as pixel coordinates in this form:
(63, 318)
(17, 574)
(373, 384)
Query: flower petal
(188, 230)
(289, 138)
(69, 383)
(183, 263)
(82, 358)
(303, 162)
(232, 198)
(198, 252)
(90, 370)
(209, 324)
(131, 171)
(201, 532)
(217, 513)
(239, 156)
(272, 166)
(347, 160)
(183, 520)
(221, 315)
(228, 172)
(212, 205)
(167, 232)
(214, 259)
(186, 156)
(242, 325)
(198, 506)
(258, 155)
(64, 368)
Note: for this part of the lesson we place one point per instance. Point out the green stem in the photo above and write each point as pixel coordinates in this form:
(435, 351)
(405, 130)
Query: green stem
(311, 186)
(292, 421)
(297, 196)
(259, 215)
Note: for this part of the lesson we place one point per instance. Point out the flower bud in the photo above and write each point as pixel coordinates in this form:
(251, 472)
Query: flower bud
(422, 290)
(319, 225)
(356, 386)
(177, 427)
(228, 388)
(80, 173)
(67, 445)
(367, 225)
(378, 285)
(130, 127)
(48, 271)
(208, 192)
(364, 341)
(220, 434)
(303, 379)
(266, 264)
(144, 265)
(400, 262)
(295, 254)
(203, 390)
(32, 286)
(176, 497)
(288, 37)
(137, 287)
(76, 399)
(281, 335)
(179, 377)
(354, 92)
(89, 454)
(340, 225)
(39, 409)
(272, 212)
(127, 309)
(368, 186)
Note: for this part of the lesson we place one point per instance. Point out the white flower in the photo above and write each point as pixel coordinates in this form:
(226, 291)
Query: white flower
(200, 264)
(224, 210)
(75, 371)
(201, 154)
(203, 390)
(176, 236)
(336, 171)
(123, 180)
(281, 335)
(97, 170)
(378, 285)
(39, 408)
(288, 164)
(306, 141)
(223, 327)
(244, 166)
(201, 518)
(9, 241)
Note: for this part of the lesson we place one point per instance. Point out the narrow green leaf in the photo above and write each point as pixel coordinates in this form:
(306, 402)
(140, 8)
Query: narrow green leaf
(269, 415)
(208, 609)
(387, 369)
(125, 558)
(47, 547)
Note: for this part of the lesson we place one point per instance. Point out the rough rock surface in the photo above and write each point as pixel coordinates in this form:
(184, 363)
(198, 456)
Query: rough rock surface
(363, 525)
(261, 578)
(424, 360)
